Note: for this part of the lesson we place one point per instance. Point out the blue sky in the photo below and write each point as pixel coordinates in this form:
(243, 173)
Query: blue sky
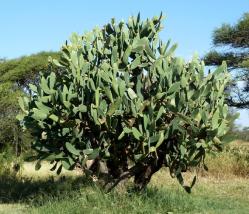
(30, 26)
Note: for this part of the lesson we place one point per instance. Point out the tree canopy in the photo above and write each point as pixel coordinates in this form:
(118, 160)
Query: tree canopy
(232, 45)
(15, 75)
(24, 70)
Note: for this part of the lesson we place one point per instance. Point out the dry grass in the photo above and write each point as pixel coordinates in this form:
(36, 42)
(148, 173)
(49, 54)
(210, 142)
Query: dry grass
(12, 208)
(226, 167)
(231, 163)
(222, 186)
(44, 172)
(239, 143)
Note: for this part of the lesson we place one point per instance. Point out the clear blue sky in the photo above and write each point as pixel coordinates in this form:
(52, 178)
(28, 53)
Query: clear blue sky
(29, 26)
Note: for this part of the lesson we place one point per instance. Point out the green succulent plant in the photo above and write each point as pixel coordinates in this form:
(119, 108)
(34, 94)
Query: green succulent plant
(121, 97)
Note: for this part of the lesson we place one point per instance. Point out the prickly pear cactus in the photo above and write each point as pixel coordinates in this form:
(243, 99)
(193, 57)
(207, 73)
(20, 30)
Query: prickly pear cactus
(120, 96)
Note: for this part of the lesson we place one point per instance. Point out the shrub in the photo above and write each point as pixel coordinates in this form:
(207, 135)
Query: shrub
(120, 97)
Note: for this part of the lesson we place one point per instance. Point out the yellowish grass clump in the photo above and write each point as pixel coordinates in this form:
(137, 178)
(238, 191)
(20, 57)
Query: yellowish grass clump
(232, 162)
(28, 169)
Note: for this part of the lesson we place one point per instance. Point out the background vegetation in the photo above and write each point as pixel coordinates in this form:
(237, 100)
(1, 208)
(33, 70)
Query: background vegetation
(15, 75)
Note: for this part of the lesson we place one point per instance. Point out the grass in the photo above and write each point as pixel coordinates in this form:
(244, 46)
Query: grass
(233, 162)
(163, 195)
(223, 190)
(152, 201)
(12, 208)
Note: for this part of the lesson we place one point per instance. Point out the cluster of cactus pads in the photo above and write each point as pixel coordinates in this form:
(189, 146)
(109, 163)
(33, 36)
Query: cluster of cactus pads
(117, 95)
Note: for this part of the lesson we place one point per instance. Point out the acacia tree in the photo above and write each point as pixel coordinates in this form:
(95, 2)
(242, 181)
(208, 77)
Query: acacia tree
(234, 39)
(122, 98)
(15, 75)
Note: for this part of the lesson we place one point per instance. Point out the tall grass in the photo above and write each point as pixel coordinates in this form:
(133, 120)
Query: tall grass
(153, 200)
(233, 161)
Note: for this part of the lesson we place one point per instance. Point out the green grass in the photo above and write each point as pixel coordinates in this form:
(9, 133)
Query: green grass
(221, 190)
(74, 194)
(154, 200)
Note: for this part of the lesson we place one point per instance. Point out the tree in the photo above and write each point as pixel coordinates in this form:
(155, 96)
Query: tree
(121, 99)
(24, 70)
(234, 38)
(15, 75)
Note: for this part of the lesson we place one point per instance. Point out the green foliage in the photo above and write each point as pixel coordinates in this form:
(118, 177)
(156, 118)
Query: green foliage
(6, 159)
(8, 110)
(235, 42)
(25, 70)
(15, 75)
(123, 98)
(236, 36)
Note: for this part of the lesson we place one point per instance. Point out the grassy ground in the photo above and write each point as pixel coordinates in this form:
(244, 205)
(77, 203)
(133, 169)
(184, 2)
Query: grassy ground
(224, 189)
(163, 196)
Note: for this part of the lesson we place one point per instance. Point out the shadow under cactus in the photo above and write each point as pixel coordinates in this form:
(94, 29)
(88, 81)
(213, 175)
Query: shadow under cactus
(18, 189)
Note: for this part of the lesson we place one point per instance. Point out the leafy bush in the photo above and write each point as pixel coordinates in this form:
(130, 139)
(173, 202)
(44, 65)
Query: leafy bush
(10, 166)
(119, 96)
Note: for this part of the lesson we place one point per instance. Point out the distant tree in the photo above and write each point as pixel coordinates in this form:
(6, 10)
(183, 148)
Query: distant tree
(233, 131)
(24, 70)
(15, 75)
(235, 40)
